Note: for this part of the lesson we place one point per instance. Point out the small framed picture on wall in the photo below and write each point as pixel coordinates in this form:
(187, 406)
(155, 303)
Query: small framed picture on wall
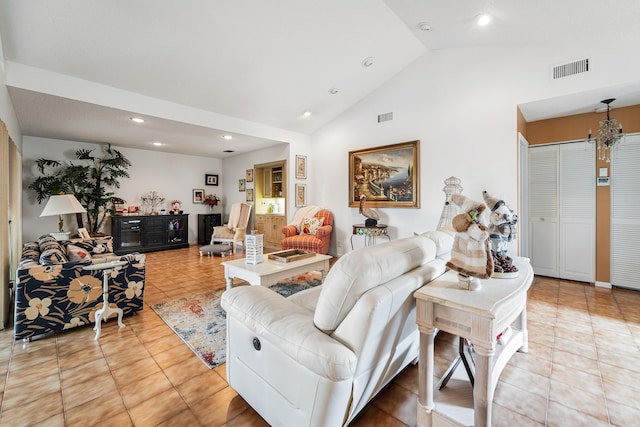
(210, 179)
(198, 195)
(241, 185)
(249, 175)
(249, 194)
(301, 167)
(301, 195)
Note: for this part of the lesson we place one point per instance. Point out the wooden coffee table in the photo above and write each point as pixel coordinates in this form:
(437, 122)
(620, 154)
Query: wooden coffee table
(269, 272)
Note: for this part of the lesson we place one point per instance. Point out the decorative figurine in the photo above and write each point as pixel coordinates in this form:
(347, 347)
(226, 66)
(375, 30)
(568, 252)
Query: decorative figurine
(470, 254)
(175, 207)
(502, 230)
(371, 215)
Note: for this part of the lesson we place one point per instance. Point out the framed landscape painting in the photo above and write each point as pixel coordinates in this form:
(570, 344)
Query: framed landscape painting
(388, 176)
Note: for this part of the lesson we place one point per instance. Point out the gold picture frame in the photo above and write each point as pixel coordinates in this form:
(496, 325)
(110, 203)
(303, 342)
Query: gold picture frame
(389, 176)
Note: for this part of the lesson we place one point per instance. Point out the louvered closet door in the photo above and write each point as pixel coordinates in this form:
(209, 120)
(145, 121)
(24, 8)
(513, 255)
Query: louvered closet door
(577, 211)
(543, 210)
(625, 214)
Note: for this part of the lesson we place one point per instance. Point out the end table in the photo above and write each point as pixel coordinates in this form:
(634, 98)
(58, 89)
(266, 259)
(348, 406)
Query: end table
(370, 233)
(106, 310)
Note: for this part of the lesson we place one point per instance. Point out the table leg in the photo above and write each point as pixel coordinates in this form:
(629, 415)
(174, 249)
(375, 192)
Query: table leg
(425, 376)
(521, 323)
(106, 310)
(483, 389)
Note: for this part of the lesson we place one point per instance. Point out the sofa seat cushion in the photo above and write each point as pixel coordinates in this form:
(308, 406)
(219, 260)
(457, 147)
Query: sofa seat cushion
(289, 326)
(360, 270)
(222, 232)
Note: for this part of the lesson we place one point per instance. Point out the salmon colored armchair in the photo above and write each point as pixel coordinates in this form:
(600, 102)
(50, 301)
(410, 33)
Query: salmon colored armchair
(317, 242)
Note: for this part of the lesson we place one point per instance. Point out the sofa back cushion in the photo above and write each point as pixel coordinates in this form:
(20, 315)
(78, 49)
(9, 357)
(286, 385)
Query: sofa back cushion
(51, 252)
(360, 270)
(47, 241)
(53, 256)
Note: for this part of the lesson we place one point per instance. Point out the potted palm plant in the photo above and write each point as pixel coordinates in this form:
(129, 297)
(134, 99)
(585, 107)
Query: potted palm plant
(90, 178)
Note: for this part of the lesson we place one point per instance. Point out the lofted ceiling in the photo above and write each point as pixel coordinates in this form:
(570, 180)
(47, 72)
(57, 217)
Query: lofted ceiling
(198, 70)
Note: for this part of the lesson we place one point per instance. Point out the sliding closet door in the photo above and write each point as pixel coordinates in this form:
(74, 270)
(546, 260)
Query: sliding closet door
(625, 214)
(577, 211)
(543, 210)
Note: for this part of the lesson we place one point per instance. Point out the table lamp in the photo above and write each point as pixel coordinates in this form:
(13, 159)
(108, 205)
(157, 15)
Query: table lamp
(60, 205)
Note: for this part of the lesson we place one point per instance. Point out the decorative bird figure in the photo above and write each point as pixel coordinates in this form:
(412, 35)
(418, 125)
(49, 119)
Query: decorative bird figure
(371, 215)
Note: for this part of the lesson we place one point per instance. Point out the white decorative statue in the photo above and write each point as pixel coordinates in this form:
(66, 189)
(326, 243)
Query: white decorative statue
(502, 231)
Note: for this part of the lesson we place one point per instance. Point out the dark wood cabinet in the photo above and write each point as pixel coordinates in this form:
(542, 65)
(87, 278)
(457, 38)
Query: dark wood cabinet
(149, 233)
(206, 222)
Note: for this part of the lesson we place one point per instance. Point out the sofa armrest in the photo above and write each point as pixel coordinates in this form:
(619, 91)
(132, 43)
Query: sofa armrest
(289, 230)
(324, 232)
(289, 327)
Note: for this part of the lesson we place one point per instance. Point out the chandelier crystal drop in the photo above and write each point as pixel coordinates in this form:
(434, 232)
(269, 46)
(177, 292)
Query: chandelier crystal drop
(609, 135)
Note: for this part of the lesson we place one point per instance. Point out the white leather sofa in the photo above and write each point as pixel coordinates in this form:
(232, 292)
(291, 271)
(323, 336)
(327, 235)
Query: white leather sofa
(317, 357)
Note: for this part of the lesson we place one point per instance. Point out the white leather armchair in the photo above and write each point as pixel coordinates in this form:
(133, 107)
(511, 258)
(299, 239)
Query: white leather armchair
(317, 357)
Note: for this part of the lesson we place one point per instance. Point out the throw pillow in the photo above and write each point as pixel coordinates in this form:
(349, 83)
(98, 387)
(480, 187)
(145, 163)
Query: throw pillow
(76, 253)
(53, 256)
(48, 242)
(95, 246)
(311, 225)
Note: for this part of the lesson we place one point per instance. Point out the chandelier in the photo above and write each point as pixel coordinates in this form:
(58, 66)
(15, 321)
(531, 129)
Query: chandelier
(609, 134)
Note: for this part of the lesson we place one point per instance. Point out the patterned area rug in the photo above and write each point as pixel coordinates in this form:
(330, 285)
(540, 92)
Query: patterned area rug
(201, 323)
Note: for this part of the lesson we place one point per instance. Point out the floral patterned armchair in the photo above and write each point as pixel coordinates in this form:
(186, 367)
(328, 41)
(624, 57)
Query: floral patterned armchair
(54, 292)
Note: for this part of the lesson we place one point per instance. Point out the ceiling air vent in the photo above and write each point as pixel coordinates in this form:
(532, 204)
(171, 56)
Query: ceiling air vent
(385, 117)
(570, 68)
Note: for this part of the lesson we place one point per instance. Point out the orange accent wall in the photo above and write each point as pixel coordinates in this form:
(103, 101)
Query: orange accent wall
(576, 127)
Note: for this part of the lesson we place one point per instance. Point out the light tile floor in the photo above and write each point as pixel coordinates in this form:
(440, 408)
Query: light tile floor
(582, 367)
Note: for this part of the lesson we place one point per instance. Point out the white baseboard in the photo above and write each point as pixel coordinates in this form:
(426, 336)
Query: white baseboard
(603, 285)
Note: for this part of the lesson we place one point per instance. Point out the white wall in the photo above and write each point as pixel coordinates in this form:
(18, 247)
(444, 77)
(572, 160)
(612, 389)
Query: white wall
(173, 175)
(461, 105)
(7, 114)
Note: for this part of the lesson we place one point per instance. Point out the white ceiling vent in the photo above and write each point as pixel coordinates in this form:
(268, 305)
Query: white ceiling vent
(385, 117)
(570, 68)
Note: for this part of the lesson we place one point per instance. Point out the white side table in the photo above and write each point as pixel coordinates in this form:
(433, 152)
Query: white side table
(478, 316)
(106, 310)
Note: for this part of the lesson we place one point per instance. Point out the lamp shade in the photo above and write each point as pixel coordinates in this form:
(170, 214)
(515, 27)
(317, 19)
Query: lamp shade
(62, 204)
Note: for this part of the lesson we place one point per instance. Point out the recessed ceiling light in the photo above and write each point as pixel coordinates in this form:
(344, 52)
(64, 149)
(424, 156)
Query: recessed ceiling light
(157, 143)
(306, 113)
(227, 137)
(423, 26)
(368, 61)
(334, 90)
(137, 120)
(483, 19)
(228, 151)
